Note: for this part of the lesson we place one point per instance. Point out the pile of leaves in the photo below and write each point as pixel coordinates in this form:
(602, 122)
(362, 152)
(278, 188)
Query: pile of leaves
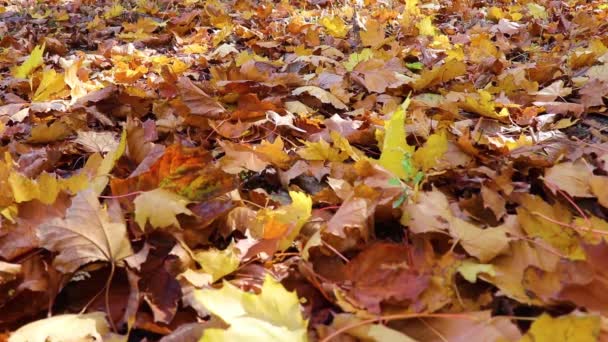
(295, 170)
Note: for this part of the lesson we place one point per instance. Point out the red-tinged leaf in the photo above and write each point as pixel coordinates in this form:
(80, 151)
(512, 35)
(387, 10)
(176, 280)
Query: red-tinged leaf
(381, 275)
(189, 172)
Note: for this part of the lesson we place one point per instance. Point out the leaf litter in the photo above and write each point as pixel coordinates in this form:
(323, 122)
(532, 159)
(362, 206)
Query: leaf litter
(303, 170)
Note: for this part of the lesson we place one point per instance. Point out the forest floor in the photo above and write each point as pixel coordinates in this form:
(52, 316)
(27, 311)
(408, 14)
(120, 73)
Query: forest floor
(317, 170)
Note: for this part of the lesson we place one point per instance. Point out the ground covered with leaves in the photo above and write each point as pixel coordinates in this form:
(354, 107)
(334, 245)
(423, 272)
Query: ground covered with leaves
(426, 170)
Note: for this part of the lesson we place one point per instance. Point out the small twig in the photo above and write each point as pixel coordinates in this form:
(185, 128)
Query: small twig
(123, 195)
(331, 248)
(584, 229)
(396, 317)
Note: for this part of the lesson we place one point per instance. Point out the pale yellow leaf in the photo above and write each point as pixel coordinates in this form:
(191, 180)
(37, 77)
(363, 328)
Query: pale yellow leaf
(159, 207)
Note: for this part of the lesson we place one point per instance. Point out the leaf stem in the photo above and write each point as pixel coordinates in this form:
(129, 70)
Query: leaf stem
(107, 295)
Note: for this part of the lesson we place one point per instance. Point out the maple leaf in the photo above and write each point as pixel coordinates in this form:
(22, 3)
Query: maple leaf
(434, 148)
(431, 212)
(284, 224)
(510, 269)
(31, 63)
(52, 86)
(218, 263)
(101, 167)
(188, 172)
(481, 326)
(68, 327)
(198, 102)
(394, 145)
(86, 234)
(48, 133)
(147, 207)
(46, 188)
(564, 328)
(321, 150)
(573, 178)
(380, 274)
(335, 26)
(373, 33)
(470, 270)
(539, 219)
(273, 315)
(321, 94)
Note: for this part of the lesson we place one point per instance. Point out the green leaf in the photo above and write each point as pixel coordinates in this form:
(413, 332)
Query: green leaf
(414, 66)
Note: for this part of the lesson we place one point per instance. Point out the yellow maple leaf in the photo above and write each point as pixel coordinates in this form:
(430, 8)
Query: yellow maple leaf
(273, 315)
(537, 11)
(426, 27)
(45, 188)
(539, 220)
(44, 133)
(218, 263)
(147, 207)
(52, 86)
(273, 152)
(70, 327)
(356, 58)
(284, 223)
(246, 56)
(452, 68)
(114, 11)
(321, 150)
(435, 147)
(342, 143)
(569, 328)
(394, 145)
(31, 63)
(484, 105)
(335, 26)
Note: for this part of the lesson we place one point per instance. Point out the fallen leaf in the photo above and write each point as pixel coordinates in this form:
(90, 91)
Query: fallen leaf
(218, 263)
(565, 328)
(31, 63)
(52, 86)
(147, 206)
(394, 145)
(573, 178)
(273, 315)
(53, 132)
(86, 234)
(67, 327)
(321, 94)
(335, 26)
(434, 148)
(539, 219)
(198, 102)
